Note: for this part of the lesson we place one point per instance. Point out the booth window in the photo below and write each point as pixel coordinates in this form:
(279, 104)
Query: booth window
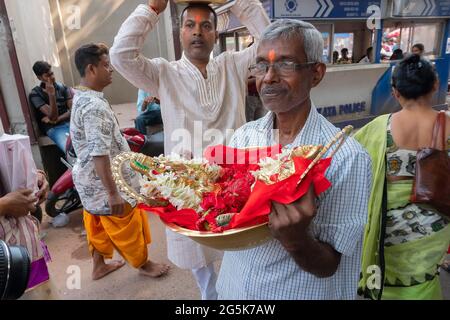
(244, 39)
(343, 40)
(326, 31)
(236, 41)
(229, 42)
(403, 35)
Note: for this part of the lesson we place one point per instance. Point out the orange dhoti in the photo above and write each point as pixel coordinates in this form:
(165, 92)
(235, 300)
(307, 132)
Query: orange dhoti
(129, 235)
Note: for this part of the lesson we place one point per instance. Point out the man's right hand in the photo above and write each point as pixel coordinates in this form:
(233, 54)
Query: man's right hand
(18, 203)
(116, 204)
(50, 88)
(158, 5)
(147, 102)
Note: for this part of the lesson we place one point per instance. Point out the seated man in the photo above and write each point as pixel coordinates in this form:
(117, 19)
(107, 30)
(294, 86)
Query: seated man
(53, 102)
(368, 58)
(149, 111)
(316, 250)
(345, 59)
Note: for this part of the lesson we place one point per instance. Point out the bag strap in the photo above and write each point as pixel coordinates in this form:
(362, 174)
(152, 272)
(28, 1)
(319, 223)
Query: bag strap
(439, 127)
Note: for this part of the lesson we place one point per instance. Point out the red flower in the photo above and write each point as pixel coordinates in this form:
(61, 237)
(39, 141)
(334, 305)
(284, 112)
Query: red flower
(233, 191)
(212, 200)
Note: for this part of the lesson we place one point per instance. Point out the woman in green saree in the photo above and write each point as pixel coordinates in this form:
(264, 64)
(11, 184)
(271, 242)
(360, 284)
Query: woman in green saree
(404, 243)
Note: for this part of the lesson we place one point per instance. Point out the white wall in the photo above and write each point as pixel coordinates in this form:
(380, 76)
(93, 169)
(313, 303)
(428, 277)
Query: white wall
(99, 21)
(31, 24)
(8, 85)
(43, 30)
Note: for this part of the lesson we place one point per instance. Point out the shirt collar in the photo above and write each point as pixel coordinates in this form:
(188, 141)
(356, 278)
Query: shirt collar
(89, 92)
(211, 67)
(310, 134)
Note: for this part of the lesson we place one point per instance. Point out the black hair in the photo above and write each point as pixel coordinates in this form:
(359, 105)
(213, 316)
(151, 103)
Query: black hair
(41, 67)
(344, 50)
(414, 77)
(397, 55)
(89, 54)
(199, 6)
(419, 46)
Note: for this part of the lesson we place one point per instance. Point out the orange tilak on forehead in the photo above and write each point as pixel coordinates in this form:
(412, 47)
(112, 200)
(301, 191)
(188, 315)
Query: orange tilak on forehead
(198, 18)
(272, 56)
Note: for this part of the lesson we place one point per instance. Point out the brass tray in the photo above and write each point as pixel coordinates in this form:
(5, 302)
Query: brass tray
(229, 240)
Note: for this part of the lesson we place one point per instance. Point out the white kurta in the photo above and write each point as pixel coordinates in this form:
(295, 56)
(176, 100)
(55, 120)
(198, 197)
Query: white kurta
(193, 108)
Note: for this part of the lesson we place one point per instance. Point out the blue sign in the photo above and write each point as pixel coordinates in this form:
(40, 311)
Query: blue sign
(421, 8)
(323, 9)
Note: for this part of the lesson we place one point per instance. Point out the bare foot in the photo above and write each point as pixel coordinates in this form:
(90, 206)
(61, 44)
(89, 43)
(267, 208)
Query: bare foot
(103, 270)
(154, 270)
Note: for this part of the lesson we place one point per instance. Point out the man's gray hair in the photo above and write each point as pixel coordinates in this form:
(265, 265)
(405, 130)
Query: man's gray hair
(289, 29)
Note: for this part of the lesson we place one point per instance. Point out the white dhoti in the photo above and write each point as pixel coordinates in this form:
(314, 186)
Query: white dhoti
(188, 254)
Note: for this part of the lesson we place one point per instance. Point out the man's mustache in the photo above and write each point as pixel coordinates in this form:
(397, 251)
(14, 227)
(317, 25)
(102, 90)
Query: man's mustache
(272, 90)
(197, 39)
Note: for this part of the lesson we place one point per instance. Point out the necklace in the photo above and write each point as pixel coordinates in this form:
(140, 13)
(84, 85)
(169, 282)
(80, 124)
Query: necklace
(83, 88)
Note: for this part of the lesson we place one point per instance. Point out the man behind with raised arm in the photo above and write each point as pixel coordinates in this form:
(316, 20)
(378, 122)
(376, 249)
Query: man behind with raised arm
(195, 92)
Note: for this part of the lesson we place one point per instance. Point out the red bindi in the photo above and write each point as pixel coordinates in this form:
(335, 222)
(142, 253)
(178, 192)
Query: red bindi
(272, 56)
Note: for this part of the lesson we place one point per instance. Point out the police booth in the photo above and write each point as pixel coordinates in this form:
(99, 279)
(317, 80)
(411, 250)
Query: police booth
(356, 92)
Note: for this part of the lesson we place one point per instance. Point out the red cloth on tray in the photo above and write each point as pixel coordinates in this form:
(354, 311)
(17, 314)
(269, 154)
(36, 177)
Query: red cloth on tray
(259, 204)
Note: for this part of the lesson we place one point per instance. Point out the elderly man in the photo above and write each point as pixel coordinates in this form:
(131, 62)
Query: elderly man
(316, 250)
(200, 97)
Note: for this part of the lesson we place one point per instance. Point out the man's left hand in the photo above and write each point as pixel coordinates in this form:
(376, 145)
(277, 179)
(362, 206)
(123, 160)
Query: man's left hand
(43, 187)
(289, 223)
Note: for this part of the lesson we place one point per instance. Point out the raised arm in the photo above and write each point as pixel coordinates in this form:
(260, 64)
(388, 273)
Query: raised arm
(126, 53)
(252, 15)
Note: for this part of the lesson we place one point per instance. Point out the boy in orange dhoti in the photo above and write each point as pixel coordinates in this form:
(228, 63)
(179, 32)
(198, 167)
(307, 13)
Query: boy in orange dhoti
(111, 219)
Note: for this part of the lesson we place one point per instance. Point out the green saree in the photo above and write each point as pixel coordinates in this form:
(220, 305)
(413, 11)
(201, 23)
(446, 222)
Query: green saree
(408, 270)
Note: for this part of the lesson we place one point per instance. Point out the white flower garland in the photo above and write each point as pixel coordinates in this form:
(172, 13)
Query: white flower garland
(173, 187)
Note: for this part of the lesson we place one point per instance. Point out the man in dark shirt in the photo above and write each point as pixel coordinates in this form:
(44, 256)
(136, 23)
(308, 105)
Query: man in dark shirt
(53, 102)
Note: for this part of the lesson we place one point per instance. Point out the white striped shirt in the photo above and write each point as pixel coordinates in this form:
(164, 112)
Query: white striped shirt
(268, 271)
